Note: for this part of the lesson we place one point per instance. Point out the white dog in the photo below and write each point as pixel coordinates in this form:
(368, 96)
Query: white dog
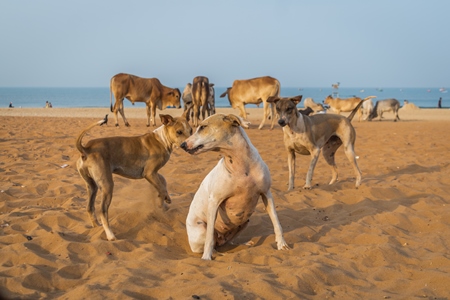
(228, 195)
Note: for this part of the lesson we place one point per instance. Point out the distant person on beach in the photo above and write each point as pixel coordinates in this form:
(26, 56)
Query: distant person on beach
(440, 102)
(10, 105)
(48, 104)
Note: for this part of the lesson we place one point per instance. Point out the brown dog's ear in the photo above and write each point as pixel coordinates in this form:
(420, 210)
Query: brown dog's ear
(233, 120)
(273, 99)
(166, 119)
(296, 99)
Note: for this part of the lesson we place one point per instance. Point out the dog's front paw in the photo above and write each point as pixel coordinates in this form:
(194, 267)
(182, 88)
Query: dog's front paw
(307, 187)
(282, 245)
(207, 257)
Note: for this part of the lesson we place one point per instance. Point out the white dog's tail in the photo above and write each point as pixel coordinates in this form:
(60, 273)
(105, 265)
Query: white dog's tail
(80, 137)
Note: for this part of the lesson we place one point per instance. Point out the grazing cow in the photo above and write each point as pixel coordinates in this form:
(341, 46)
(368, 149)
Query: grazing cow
(383, 106)
(137, 89)
(316, 107)
(200, 94)
(187, 100)
(365, 110)
(344, 105)
(253, 91)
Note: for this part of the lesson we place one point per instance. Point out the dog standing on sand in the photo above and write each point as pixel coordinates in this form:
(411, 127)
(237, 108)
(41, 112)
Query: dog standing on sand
(131, 157)
(228, 195)
(308, 135)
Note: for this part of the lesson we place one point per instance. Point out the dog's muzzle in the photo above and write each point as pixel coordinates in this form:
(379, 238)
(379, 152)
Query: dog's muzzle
(184, 146)
(282, 122)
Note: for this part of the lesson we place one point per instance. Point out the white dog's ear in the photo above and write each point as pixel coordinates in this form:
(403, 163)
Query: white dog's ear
(233, 120)
(166, 119)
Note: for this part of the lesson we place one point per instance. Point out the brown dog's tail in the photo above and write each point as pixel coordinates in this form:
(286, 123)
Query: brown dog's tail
(350, 117)
(80, 137)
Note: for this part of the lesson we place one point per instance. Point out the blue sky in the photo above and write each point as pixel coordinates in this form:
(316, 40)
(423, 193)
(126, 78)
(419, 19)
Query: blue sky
(302, 43)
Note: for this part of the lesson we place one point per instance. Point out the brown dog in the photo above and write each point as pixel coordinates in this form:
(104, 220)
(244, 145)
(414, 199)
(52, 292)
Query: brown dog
(132, 157)
(309, 135)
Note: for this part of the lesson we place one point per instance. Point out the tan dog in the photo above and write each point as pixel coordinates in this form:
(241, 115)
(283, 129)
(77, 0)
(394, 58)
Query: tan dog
(309, 135)
(228, 195)
(339, 105)
(132, 157)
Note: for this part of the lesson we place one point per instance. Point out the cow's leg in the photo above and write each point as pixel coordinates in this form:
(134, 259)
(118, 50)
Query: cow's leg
(196, 114)
(119, 107)
(151, 114)
(148, 111)
(266, 114)
(204, 108)
(242, 111)
(272, 115)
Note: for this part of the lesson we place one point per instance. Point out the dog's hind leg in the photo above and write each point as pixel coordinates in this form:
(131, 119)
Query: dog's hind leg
(92, 189)
(350, 153)
(329, 151)
(106, 185)
(309, 175)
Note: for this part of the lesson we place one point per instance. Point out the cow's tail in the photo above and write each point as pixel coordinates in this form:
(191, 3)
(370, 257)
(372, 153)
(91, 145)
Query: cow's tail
(110, 94)
(78, 143)
(227, 92)
(350, 117)
(278, 86)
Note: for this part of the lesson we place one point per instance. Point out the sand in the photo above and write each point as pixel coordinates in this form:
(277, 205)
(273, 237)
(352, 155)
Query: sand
(389, 239)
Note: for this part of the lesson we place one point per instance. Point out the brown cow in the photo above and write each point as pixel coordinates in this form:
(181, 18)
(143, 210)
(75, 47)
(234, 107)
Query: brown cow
(186, 96)
(200, 95)
(344, 105)
(137, 89)
(253, 91)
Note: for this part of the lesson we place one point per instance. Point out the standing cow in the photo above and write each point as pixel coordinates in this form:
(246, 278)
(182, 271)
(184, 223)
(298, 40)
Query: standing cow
(137, 89)
(200, 95)
(383, 106)
(254, 91)
(187, 100)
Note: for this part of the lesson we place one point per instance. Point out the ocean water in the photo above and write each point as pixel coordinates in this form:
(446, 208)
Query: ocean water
(99, 97)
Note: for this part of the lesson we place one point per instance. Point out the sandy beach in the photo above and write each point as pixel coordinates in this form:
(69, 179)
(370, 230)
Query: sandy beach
(388, 239)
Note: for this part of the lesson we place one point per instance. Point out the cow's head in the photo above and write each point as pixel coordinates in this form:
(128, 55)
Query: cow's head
(328, 99)
(173, 98)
